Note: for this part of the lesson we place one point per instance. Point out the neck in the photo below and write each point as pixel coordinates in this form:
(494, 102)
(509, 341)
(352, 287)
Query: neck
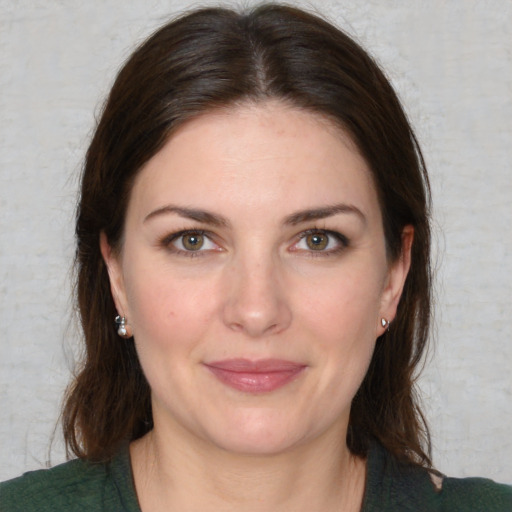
(171, 475)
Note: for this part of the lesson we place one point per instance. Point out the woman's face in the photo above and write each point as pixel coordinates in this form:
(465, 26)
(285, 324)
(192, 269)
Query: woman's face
(253, 274)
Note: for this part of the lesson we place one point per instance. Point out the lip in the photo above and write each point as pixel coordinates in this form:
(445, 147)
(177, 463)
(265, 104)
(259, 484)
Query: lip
(255, 376)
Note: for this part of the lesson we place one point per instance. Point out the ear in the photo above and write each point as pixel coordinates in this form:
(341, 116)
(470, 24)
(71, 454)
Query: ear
(115, 275)
(395, 281)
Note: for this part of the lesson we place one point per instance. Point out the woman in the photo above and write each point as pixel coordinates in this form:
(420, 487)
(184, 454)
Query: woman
(253, 282)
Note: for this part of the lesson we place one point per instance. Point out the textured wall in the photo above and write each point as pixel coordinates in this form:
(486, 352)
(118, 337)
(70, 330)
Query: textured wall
(452, 64)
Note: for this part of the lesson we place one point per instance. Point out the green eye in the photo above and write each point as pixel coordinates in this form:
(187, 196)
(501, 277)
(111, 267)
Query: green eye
(317, 241)
(193, 241)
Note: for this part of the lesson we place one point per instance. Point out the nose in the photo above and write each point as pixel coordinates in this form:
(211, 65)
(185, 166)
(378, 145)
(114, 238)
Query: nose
(256, 302)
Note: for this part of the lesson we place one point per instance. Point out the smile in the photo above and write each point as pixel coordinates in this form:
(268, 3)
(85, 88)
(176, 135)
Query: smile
(260, 376)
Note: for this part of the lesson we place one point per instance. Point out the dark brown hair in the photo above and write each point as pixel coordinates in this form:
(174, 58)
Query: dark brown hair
(213, 58)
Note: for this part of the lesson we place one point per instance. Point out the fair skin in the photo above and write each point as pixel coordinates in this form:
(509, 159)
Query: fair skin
(254, 234)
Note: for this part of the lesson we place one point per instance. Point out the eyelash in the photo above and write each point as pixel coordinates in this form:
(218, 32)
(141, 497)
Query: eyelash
(342, 240)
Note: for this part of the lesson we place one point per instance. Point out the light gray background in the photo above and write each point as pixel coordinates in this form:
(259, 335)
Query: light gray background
(451, 62)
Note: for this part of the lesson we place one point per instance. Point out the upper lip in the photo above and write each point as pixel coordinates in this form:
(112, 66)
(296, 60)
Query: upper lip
(256, 366)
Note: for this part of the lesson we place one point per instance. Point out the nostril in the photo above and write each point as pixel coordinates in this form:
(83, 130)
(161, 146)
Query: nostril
(237, 327)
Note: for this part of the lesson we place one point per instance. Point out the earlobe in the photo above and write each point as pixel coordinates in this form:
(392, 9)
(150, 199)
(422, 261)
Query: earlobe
(397, 275)
(114, 273)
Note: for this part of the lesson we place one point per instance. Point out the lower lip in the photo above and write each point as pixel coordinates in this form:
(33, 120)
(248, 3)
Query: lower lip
(256, 381)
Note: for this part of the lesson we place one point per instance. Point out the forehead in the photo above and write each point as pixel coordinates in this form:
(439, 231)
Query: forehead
(261, 156)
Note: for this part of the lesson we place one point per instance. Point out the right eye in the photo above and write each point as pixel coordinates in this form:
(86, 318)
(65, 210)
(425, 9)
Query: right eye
(193, 241)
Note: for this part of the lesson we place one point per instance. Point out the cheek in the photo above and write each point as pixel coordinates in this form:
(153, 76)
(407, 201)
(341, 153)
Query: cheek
(344, 302)
(170, 322)
(167, 308)
(341, 316)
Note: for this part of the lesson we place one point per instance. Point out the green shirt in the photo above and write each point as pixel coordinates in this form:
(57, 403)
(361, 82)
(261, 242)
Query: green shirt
(390, 486)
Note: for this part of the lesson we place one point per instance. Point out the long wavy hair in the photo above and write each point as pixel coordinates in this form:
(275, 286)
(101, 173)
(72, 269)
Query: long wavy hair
(217, 57)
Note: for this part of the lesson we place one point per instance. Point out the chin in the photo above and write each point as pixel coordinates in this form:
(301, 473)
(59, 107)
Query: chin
(257, 435)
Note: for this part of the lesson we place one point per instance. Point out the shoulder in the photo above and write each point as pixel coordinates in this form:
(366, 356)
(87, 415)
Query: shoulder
(72, 486)
(394, 486)
(475, 495)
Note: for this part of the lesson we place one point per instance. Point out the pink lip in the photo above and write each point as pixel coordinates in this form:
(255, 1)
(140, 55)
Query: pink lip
(259, 376)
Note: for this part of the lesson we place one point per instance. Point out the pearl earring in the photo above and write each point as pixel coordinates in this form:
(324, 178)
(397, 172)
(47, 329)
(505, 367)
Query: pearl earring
(385, 323)
(121, 326)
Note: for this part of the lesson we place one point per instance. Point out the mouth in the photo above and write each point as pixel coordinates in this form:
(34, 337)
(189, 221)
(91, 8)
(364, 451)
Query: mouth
(260, 376)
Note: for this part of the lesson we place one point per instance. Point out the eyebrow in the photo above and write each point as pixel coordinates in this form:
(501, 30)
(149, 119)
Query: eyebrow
(299, 217)
(323, 213)
(202, 216)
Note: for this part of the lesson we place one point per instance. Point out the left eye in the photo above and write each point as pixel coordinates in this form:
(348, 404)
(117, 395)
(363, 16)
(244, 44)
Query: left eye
(194, 241)
(320, 241)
